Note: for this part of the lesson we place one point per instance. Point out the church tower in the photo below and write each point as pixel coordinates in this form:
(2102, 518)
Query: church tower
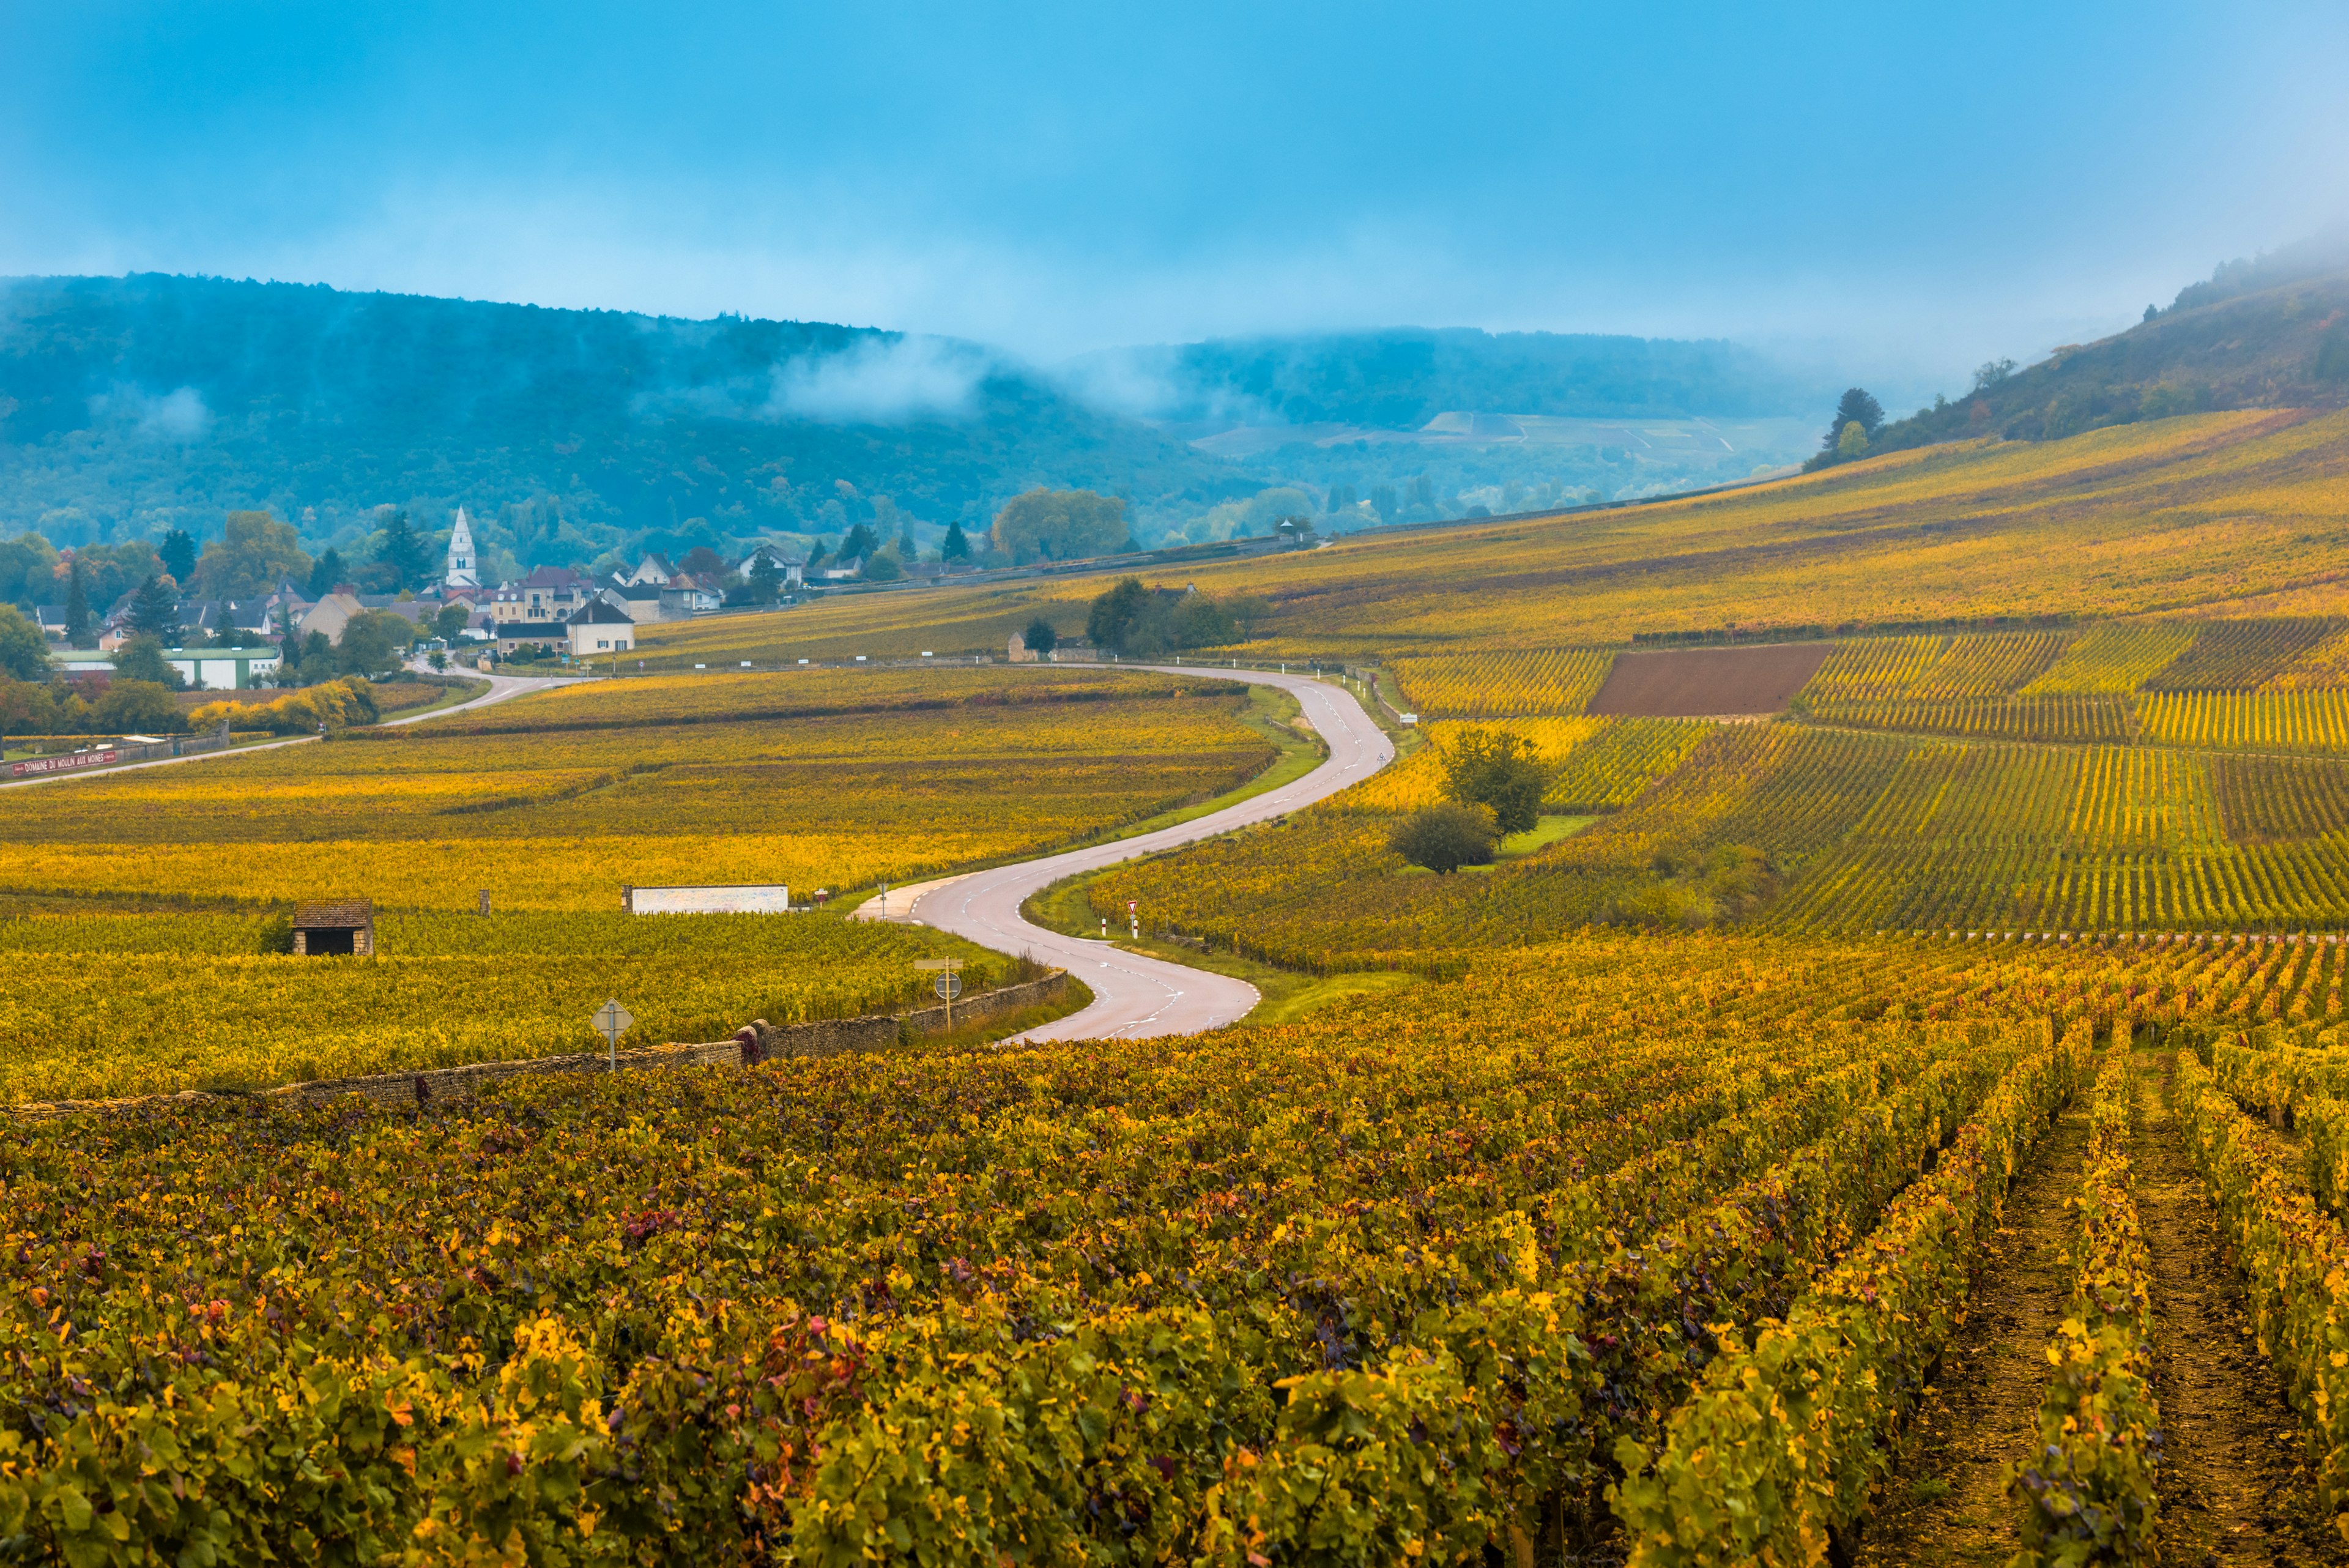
(461, 572)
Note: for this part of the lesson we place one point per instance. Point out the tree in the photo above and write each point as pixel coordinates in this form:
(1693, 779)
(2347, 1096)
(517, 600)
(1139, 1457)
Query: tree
(860, 544)
(1061, 526)
(2151, 311)
(139, 708)
(1991, 372)
(957, 545)
(326, 573)
(766, 579)
(1111, 621)
(451, 621)
(1852, 443)
(1445, 837)
(404, 551)
(77, 604)
(155, 611)
(703, 562)
(142, 659)
(24, 651)
(884, 565)
(1500, 771)
(373, 641)
(1855, 408)
(178, 552)
(253, 556)
(1040, 636)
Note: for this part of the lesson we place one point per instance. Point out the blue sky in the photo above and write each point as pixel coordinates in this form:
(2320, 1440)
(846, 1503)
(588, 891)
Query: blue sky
(1913, 188)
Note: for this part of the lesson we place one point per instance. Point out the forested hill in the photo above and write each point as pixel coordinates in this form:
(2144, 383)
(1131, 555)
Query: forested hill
(1399, 378)
(130, 405)
(2271, 334)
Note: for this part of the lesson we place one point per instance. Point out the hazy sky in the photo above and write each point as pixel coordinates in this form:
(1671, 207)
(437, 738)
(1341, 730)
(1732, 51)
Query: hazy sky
(1923, 186)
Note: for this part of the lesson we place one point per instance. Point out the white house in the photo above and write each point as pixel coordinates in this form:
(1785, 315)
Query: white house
(787, 569)
(600, 628)
(654, 569)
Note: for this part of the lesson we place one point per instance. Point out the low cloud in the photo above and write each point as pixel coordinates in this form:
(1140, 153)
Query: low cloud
(881, 381)
(179, 415)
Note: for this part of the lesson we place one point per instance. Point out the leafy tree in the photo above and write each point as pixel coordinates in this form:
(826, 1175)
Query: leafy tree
(155, 612)
(178, 552)
(1991, 372)
(139, 708)
(24, 651)
(373, 641)
(703, 562)
(251, 556)
(1852, 443)
(1111, 621)
(1061, 526)
(884, 565)
(142, 659)
(957, 545)
(404, 551)
(1445, 836)
(2151, 311)
(327, 571)
(451, 621)
(1040, 636)
(1855, 408)
(77, 604)
(28, 565)
(1500, 771)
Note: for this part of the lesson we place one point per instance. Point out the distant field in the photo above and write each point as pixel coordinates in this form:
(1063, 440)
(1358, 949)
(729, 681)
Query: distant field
(2173, 515)
(1697, 683)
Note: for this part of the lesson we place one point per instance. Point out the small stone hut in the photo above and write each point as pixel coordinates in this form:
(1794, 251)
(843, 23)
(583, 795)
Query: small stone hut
(334, 926)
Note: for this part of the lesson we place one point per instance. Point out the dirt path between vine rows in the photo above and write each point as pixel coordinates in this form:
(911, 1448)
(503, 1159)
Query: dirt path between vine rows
(2234, 1484)
(1943, 1504)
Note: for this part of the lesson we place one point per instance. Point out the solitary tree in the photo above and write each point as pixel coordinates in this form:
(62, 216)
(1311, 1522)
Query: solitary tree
(957, 545)
(326, 572)
(77, 604)
(179, 556)
(155, 611)
(1500, 771)
(1039, 636)
(1855, 408)
(142, 659)
(404, 551)
(1445, 836)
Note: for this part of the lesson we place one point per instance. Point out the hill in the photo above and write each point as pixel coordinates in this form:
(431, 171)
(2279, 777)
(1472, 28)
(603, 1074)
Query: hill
(130, 405)
(1399, 378)
(2257, 335)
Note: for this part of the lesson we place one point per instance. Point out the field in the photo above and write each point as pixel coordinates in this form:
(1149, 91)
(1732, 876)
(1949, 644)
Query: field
(767, 1313)
(1900, 1127)
(550, 803)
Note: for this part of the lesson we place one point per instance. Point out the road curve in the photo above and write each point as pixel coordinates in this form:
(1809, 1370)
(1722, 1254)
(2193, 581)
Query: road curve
(1136, 996)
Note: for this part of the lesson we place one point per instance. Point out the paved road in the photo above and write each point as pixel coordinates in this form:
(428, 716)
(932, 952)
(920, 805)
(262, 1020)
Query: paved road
(501, 688)
(1136, 996)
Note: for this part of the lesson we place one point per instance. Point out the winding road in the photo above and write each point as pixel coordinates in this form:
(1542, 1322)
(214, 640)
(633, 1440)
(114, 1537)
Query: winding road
(1136, 996)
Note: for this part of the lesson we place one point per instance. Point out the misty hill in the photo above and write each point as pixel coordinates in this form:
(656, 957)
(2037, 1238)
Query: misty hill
(1400, 378)
(2271, 333)
(130, 405)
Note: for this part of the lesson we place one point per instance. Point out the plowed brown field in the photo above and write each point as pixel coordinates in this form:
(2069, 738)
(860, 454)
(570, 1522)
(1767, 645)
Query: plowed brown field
(1702, 682)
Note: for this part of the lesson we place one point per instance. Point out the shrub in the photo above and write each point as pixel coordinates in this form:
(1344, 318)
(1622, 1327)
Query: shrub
(1445, 837)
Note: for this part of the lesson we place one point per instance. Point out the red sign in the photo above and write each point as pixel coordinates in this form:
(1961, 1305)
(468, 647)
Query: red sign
(61, 763)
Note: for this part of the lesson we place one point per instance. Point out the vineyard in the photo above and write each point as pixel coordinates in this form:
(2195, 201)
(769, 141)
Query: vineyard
(1409, 1281)
(554, 802)
(98, 1006)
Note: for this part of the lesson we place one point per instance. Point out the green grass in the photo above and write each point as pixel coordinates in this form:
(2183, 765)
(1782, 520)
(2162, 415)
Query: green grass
(1542, 834)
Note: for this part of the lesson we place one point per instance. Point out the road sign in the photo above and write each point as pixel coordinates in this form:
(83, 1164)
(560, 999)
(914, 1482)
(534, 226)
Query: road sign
(947, 986)
(612, 1021)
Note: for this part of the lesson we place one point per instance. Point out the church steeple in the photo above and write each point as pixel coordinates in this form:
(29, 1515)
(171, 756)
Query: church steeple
(462, 573)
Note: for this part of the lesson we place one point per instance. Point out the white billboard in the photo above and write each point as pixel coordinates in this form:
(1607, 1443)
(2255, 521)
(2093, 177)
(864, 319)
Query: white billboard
(736, 898)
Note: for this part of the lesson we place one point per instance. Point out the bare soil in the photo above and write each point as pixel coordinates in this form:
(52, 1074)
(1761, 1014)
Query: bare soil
(2234, 1487)
(1708, 683)
(1945, 1503)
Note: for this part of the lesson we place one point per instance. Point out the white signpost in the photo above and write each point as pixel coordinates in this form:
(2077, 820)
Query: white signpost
(612, 1021)
(948, 985)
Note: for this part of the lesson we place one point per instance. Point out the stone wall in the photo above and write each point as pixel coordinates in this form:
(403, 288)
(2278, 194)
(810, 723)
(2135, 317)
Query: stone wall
(756, 1043)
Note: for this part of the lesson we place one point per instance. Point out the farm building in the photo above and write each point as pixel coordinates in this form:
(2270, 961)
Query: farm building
(334, 926)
